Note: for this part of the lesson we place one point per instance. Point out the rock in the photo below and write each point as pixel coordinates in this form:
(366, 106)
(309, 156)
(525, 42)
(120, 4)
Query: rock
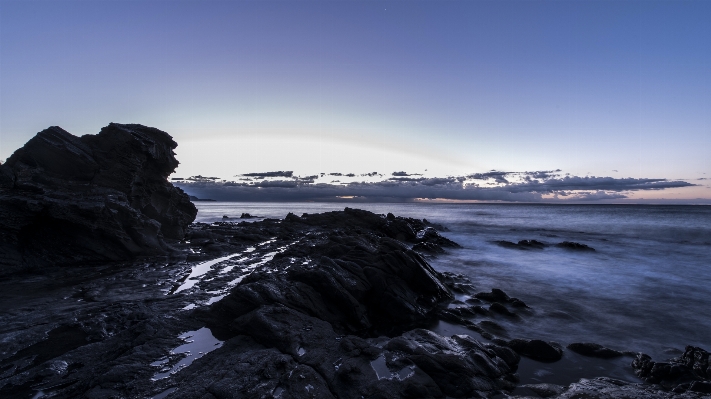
(593, 350)
(408, 230)
(246, 216)
(497, 307)
(194, 198)
(608, 388)
(545, 390)
(428, 247)
(696, 359)
(523, 244)
(357, 282)
(96, 198)
(537, 349)
(508, 244)
(533, 244)
(574, 246)
(496, 295)
(329, 314)
(677, 374)
(700, 386)
(429, 235)
(492, 327)
(517, 303)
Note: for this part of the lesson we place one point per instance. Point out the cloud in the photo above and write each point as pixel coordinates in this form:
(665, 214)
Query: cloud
(597, 183)
(497, 186)
(499, 177)
(594, 196)
(280, 173)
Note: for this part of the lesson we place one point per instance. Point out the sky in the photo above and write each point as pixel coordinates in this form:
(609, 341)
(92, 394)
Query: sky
(594, 90)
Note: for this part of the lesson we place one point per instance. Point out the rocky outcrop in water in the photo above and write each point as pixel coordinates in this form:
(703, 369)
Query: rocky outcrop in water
(326, 305)
(330, 301)
(575, 246)
(96, 198)
(594, 350)
(689, 372)
(610, 388)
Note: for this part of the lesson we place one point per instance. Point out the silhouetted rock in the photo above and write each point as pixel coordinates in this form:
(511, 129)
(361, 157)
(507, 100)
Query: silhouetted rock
(507, 244)
(593, 350)
(428, 247)
(499, 308)
(690, 371)
(545, 390)
(194, 198)
(537, 349)
(533, 244)
(105, 197)
(574, 246)
(356, 282)
(327, 300)
(496, 295)
(523, 244)
(609, 388)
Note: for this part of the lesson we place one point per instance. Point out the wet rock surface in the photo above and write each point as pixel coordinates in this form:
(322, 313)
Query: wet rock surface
(608, 388)
(327, 305)
(96, 198)
(575, 246)
(593, 350)
(535, 244)
(689, 372)
(537, 349)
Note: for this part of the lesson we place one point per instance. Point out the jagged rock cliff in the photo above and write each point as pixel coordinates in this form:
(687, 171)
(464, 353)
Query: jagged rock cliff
(104, 197)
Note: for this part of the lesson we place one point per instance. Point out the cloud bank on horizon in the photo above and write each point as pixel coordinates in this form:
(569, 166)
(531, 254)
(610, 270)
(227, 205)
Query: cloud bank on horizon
(491, 186)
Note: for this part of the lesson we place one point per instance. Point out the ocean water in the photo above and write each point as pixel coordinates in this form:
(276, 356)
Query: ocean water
(645, 288)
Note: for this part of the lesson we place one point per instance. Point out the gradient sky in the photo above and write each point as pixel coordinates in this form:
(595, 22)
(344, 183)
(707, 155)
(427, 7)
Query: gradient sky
(603, 88)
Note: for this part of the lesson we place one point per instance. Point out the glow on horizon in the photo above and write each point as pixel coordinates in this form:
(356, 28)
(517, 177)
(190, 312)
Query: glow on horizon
(619, 89)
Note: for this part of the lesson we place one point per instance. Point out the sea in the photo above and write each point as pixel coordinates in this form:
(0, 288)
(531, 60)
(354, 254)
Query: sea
(646, 287)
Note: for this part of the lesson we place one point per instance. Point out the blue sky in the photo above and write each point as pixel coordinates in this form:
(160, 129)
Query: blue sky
(617, 89)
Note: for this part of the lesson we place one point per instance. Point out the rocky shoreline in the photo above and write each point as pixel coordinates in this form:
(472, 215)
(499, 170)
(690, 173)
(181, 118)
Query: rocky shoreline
(328, 305)
(339, 304)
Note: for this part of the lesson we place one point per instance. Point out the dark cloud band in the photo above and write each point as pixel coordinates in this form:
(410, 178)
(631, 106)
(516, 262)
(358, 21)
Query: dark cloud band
(489, 186)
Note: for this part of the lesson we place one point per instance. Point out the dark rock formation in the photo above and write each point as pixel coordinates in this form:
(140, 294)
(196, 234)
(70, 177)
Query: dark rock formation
(194, 198)
(523, 244)
(533, 244)
(593, 350)
(537, 349)
(105, 197)
(609, 388)
(357, 281)
(327, 301)
(574, 246)
(497, 295)
(689, 372)
(545, 390)
(315, 306)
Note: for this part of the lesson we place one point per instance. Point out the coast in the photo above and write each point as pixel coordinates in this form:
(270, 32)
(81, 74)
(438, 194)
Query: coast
(323, 305)
(339, 304)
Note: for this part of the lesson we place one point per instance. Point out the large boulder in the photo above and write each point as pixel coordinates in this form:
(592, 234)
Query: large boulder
(96, 198)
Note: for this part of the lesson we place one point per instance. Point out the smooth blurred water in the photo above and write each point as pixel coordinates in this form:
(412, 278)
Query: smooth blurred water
(647, 287)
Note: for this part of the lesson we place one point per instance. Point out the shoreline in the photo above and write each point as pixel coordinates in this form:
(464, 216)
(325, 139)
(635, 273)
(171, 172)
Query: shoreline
(135, 306)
